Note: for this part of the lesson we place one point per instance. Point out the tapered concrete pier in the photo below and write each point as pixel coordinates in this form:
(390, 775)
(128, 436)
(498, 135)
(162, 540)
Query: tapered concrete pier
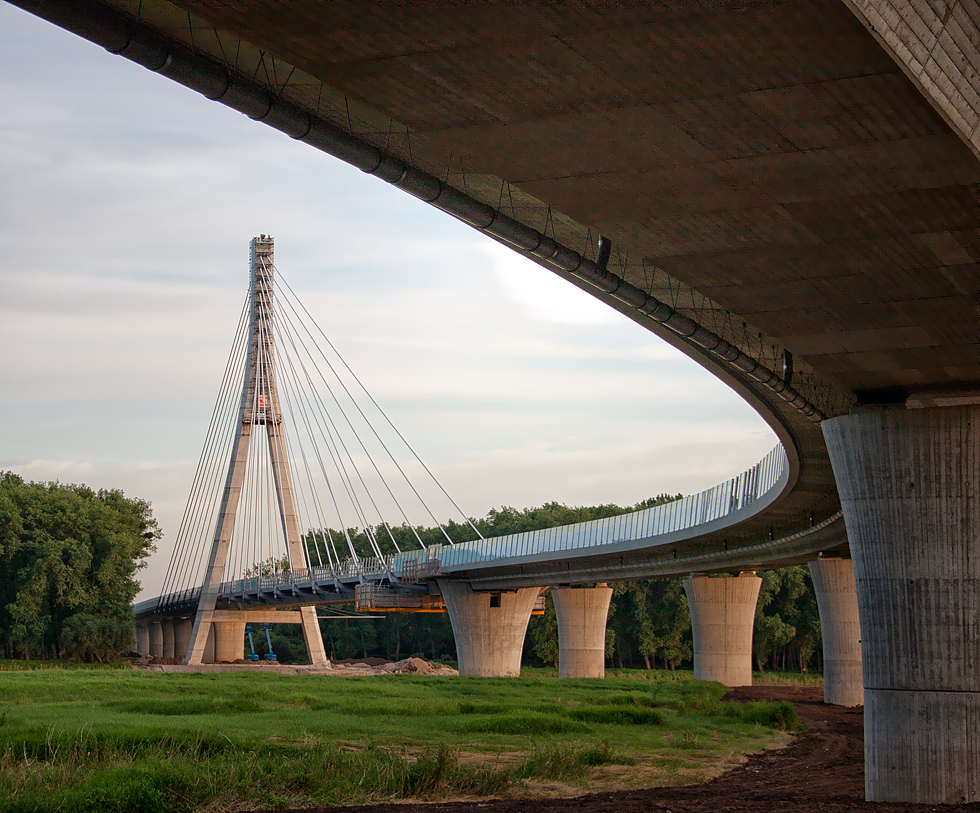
(167, 628)
(722, 619)
(182, 635)
(208, 656)
(229, 641)
(156, 639)
(909, 481)
(582, 613)
(840, 626)
(489, 628)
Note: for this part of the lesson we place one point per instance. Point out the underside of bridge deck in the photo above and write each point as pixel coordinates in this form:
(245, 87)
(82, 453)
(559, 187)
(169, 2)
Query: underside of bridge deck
(771, 155)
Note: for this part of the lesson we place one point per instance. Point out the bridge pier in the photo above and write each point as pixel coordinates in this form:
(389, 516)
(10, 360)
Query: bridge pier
(156, 639)
(582, 613)
(489, 628)
(208, 656)
(840, 625)
(315, 649)
(229, 641)
(143, 639)
(167, 628)
(722, 619)
(182, 635)
(909, 481)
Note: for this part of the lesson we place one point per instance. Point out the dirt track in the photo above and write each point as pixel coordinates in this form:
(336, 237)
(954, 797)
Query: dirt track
(821, 770)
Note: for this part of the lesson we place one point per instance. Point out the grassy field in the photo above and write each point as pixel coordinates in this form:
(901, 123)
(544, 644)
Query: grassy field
(123, 740)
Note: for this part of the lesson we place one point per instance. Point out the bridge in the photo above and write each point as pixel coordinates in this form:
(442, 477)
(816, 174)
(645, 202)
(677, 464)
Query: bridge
(786, 191)
(278, 458)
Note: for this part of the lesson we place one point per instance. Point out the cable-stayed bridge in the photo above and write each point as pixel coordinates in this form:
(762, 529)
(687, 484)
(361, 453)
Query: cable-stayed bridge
(305, 492)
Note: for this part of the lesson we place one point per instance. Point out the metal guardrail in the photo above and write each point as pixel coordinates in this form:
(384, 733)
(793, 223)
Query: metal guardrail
(689, 512)
(698, 509)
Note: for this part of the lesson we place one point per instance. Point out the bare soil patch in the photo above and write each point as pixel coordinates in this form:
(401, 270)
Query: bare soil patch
(820, 770)
(350, 667)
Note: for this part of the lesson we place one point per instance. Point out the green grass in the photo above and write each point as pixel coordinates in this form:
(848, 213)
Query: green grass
(9, 665)
(787, 679)
(106, 740)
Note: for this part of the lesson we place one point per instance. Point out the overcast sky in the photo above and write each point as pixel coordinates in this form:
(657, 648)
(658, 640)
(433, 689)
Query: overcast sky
(127, 203)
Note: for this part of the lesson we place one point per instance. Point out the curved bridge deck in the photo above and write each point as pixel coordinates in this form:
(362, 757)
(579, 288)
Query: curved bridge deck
(672, 539)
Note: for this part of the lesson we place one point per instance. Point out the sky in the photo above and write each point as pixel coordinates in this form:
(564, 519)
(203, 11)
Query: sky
(127, 203)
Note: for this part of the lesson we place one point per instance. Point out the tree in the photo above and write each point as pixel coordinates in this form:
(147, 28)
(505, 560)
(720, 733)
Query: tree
(543, 634)
(90, 638)
(787, 625)
(67, 550)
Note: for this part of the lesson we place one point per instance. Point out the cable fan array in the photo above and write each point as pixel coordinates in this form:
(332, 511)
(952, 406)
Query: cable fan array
(314, 434)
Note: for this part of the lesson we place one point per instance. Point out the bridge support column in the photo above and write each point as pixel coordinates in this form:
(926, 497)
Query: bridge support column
(143, 639)
(909, 481)
(489, 628)
(182, 635)
(840, 625)
(229, 641)
(167, 628)
(582, 615)
(208, 656)
(156, 639)
(313, 637)
(722, 618)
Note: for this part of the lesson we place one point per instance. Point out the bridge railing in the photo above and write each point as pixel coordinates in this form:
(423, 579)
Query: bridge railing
(697, 509)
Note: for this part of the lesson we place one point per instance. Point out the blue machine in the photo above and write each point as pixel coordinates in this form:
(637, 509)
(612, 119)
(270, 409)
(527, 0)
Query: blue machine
(248, 631)
(272, 655)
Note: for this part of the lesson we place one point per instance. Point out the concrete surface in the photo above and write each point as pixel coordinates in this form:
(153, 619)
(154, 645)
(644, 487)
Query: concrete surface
(722, 619)
(840, 626)
(582, 613)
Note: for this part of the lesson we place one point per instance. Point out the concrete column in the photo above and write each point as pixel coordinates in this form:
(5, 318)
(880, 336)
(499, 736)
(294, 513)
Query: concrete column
(143, 639)
(167, 626)
(229, 641)
(313, 637)
(156, 639)
(489, 628)
(722, 618)
(840, 626)
(909, 481)
(209, 646)
(182, 636)
(582, 615)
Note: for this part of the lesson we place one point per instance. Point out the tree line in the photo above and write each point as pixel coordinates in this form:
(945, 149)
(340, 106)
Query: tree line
(68, 560)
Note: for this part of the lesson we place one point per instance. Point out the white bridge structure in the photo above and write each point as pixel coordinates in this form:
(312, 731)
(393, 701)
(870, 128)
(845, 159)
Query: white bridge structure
(288, 459)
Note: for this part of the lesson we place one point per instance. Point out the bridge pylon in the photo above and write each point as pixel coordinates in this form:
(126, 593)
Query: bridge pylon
(258, 409)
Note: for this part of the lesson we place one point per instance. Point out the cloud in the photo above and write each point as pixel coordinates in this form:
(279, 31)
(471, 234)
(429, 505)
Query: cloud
(65, 470)
(542, 295)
